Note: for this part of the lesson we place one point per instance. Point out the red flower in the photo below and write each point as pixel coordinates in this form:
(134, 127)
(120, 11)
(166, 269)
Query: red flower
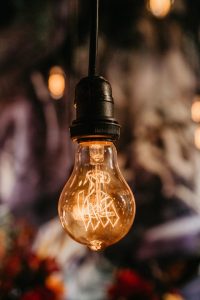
(50, 265)
(25, 272)
(33, 261)
(12, 266)
(39, 294)
(129, 284)
(32, 295)
(5, 285)
(25, 235)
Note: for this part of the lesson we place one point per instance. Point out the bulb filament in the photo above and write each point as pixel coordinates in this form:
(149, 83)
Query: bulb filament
(96, 207)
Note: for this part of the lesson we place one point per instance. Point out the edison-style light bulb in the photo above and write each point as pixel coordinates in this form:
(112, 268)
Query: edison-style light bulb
(96, 207)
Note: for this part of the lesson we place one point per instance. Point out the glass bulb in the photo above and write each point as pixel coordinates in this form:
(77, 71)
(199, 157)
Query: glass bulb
(96, 206)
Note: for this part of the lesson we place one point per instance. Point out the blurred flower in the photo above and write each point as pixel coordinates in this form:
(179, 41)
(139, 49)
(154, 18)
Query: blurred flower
(23, 274)
(55, 284)
(2, 244)
(50, 265)
(6, 232)
(33, 261)
(129, 284)
(24, 234)
(12, 265)
(39, 294)
(32, 295)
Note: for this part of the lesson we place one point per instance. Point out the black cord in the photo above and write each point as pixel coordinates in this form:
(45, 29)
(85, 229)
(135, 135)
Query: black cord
(94, 27)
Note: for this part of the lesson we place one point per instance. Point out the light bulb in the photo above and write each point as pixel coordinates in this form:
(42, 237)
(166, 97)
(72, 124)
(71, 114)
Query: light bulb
(96, 206)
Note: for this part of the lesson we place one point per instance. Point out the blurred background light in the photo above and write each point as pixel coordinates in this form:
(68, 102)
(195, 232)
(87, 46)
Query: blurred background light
(197, 138)
(160, 8)
(56, 82)
(195, 109)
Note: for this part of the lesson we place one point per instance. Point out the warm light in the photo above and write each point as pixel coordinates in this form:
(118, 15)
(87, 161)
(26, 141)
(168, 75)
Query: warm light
(102, 211)
(56, 82)
(197, 137)
(172, 297)
(96, 207)
(160, 8)
(195, 110)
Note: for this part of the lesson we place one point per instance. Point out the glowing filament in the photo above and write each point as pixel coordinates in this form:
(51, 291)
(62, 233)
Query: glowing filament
(96, 207)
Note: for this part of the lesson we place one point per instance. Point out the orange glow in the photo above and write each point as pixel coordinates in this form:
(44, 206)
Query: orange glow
(197, 138)
(160, 8)
(195, 110)
(96, 207)
(55, 284)
(56, 82)
(172, 297)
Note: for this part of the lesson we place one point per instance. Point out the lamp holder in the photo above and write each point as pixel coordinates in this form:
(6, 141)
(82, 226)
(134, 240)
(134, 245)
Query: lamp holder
(94, 111)
(93, 96)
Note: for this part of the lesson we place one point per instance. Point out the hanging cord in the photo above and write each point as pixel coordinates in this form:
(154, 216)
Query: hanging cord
(95, 118)
(94, 26)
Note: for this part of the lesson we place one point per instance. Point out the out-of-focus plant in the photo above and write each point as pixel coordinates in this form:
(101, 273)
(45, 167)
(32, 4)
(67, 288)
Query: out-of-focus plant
(130, 285)
(23, 274)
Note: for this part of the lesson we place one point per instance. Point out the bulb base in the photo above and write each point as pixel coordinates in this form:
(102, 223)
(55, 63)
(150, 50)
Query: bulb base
(94, 111)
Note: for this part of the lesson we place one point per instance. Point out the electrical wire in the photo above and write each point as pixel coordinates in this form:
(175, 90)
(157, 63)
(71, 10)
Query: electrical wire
(94, 28)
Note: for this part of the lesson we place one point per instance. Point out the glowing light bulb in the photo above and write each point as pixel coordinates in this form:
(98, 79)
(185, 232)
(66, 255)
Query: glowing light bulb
(96, 207)
(160, 8)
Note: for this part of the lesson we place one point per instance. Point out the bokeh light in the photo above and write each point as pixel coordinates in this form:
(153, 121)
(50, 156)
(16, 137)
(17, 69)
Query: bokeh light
(160, 8)
(197, 138)
(195, 109)
(56, 82)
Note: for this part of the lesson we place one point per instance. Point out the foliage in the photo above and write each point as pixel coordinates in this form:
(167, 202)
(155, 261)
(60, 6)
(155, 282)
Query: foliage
(23, 274)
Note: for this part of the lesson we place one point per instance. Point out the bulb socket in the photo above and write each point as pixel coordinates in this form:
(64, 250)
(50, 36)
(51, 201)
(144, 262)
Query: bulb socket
(94, 111)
